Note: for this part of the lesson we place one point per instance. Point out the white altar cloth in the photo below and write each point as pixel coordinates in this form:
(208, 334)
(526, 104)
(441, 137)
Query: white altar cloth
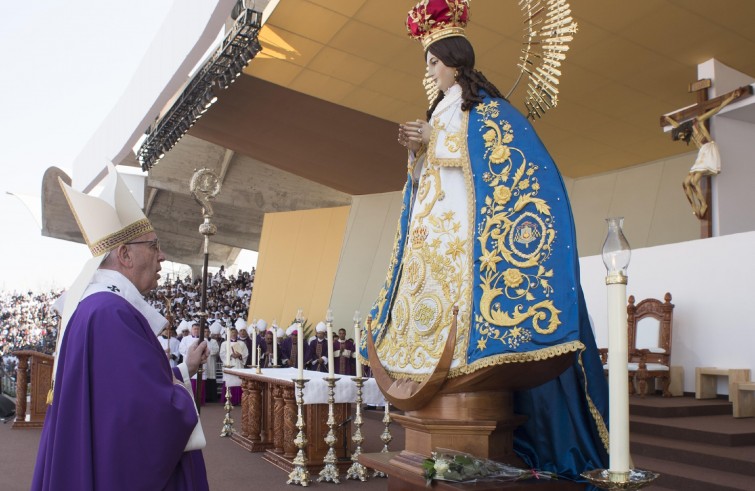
(316, 390)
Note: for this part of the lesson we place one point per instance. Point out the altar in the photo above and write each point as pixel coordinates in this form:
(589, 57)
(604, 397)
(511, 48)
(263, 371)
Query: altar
(268, 414)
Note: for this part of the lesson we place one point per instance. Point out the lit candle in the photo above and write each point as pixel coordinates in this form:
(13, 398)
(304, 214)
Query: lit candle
(329, 325)
(616, 254)
(299, 314)
(275, 345)
(300, 350)
(357, 342)
(228, 340)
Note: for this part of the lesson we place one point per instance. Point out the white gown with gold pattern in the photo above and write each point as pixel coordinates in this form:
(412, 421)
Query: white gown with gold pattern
(436, 271)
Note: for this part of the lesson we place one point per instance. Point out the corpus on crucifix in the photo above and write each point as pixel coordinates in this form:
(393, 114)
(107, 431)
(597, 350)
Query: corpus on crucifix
(692, 124)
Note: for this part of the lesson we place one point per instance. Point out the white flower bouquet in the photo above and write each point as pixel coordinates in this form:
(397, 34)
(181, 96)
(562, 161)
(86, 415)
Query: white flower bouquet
(450, 465)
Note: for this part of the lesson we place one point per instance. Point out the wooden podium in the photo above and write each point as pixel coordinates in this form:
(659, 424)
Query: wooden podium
(268, 423)
(40, 381)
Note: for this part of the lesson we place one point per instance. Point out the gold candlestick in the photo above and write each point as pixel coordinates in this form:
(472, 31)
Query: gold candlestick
(259, 355)
(329, 473)
(634, 479)
(386, 436)
(357, 470)
(300, 474)
(227, 420)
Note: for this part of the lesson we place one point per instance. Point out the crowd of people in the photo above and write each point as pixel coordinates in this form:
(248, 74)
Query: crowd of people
(228, 297)
(28, 320)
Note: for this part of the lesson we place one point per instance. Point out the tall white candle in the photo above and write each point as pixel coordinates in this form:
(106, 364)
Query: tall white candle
(618, 382)
(357, 342)
(228, 350)
(254, 346)
(330, 349)
(275, 345)
(300, 350)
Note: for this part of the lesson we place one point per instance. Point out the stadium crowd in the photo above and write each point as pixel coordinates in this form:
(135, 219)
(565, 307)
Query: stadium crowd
(28, 320)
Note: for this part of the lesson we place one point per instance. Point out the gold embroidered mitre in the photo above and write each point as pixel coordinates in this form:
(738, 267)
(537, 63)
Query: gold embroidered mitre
(109, 220)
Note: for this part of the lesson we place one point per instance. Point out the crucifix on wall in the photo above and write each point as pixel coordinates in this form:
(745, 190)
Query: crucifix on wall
(693, 124)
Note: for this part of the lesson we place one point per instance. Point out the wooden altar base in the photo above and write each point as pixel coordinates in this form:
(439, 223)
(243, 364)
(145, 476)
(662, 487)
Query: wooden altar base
(405, 473)
(249, 444)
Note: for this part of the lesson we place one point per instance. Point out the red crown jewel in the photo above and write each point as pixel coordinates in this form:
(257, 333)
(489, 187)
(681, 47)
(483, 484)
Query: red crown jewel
(431, 20)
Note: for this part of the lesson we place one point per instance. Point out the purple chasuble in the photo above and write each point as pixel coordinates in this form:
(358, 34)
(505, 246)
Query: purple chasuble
(117, 421)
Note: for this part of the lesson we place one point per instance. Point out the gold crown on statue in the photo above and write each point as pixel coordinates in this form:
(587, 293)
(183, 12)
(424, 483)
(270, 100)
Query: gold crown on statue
(432, 20)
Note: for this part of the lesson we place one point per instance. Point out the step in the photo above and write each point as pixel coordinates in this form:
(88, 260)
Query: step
(677, 407)
(730, 459)
(716, 430)
(674, 475)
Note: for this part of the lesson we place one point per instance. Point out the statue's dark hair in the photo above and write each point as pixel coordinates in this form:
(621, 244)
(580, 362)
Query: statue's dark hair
(457, 52)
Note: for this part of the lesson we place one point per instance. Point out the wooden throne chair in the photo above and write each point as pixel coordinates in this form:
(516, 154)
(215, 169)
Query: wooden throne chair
(649, 325)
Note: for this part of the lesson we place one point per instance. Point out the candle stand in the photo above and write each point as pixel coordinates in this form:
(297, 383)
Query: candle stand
(357, 470)
(227, 420)
(385, 436)
(300, 474)
(329, 473)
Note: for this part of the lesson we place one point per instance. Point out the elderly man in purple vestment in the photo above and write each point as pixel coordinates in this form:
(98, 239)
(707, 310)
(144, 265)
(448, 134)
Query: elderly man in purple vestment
(119, 419)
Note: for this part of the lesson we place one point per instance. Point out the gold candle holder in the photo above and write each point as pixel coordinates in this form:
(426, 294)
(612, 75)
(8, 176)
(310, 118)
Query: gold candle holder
(385, 436)
(329, 473)
(300, 474)
(357, 470)
(259, 355)
(227, 420)
(606, 479)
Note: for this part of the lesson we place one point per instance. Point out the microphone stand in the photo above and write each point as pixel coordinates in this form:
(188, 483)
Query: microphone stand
(204, 186)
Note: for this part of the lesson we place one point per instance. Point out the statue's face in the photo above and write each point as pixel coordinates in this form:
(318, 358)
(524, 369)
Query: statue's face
(443, 75)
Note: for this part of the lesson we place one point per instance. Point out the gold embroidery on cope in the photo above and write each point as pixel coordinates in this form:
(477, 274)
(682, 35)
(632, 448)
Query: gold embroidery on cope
(514, 248)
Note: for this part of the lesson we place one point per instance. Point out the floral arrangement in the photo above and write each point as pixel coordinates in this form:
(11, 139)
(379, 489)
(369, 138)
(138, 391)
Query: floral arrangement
(449, 465)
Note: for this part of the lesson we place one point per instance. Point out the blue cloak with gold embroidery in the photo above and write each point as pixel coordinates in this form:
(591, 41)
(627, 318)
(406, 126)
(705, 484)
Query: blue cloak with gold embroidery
(525, 302)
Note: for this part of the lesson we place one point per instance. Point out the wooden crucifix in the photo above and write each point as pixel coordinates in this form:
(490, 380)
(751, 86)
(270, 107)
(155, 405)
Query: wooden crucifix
(693, 124)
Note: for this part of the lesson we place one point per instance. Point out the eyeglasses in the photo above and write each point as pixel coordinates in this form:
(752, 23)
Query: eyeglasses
(154, 244)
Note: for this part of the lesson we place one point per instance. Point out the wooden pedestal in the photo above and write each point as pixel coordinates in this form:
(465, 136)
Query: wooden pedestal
(479, 423)
(472, 413)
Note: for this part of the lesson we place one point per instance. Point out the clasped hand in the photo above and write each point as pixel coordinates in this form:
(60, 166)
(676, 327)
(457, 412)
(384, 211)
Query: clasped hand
(414, 134)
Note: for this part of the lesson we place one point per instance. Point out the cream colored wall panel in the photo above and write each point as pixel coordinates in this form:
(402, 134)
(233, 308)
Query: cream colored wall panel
(673, 220)
(590, 202)
(634, 197)
(367, 249)
(298, 259)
